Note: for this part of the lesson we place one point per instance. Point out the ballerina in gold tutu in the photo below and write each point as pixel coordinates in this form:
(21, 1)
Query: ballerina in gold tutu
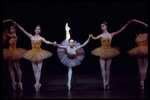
(141, 52)
(36, 55)
(106, 52)
(13, 56)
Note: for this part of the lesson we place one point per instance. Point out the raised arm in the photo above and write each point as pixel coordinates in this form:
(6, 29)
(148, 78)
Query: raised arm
(6, 20)
(144, 24)
(84, 44)
(115, 33)
(23, 30)
(96, 38)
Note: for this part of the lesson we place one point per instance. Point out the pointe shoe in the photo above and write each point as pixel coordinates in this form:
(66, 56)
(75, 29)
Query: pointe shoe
(20, 85)
(69, 86)
(142, 86)
(37, 86)
(105, 85)
(14, 85)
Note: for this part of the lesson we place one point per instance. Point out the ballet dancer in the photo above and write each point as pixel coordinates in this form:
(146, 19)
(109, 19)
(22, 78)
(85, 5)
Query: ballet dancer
(36, 55)
(13, 56)
(106, 52)
(141, 52)
(71, 53)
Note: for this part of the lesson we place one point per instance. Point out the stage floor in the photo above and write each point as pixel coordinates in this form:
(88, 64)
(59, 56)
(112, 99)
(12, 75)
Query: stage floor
(84, 86)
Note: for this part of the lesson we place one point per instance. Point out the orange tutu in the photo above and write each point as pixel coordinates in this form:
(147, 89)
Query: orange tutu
(6, 54)
(141, 50)
(37, 54)
(138, 51)
(106, 53)
(9, 54)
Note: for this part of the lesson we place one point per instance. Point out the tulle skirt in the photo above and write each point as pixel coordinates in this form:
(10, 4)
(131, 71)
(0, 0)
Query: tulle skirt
(13, 54)
(139, 51)
(70, 61)
(37, 54)
(105, 53)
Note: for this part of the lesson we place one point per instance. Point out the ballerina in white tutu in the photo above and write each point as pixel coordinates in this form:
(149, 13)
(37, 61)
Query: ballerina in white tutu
(71, 53)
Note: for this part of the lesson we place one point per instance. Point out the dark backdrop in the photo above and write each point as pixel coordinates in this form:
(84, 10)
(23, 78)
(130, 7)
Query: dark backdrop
(84, 18)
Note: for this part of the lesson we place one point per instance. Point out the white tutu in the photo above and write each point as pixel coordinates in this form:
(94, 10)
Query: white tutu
(70, 61)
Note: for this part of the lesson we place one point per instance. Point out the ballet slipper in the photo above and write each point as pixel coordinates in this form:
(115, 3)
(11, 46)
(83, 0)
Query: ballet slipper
(69, 86)
(142, 85)
(14, 85)
(105, 85)
(20, 85)
(36, 87)
(39, 85)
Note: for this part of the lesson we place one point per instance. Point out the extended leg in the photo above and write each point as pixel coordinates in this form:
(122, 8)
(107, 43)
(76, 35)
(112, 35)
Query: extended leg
(40, 63)
(12, 74)
(145, 66)
(140, 64)
(108, 63)
(102, 64)
(17, 66)
(69, 77)
(34, 66)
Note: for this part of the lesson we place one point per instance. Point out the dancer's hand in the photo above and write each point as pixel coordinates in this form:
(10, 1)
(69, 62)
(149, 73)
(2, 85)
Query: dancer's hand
(54, 43)
(90, 35)
(129, 21)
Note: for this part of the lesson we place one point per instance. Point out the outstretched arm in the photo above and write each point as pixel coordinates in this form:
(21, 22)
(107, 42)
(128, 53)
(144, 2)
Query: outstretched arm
(115, 33)
(64, 47)
(144, 24)
(48, 42)
(84, 44)
(96, 38)
(23, 30)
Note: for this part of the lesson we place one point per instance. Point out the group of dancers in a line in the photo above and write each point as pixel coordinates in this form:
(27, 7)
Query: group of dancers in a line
(71, 53)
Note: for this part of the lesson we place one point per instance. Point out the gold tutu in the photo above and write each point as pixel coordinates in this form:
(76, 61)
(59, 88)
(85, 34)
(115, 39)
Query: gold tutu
(36, 53)
(141, 50)
(106, 51)
(13, 53)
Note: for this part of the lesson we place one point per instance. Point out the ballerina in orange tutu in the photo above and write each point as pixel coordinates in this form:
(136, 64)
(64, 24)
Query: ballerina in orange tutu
(36, 55)
(106, 52)
(13, 56)
(141, 52)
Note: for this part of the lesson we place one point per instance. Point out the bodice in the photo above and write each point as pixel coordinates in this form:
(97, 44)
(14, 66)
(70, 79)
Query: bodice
(71, 52)
(142, 43)
(106, 42)
(12, 44)
(36, 44)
